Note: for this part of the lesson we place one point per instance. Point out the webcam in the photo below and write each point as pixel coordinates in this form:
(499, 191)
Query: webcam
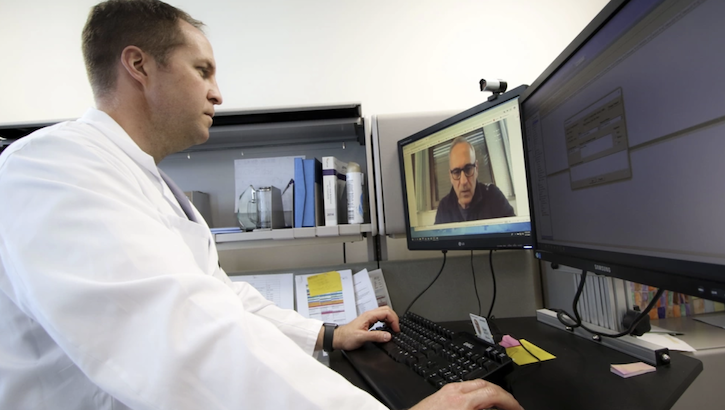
(495, 86)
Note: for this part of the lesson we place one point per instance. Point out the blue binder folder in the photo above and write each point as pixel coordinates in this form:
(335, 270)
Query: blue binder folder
(308, 172)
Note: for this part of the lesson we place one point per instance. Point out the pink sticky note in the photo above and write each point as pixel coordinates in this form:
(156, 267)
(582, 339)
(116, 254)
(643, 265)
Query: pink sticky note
(632, 369)
(508, 341)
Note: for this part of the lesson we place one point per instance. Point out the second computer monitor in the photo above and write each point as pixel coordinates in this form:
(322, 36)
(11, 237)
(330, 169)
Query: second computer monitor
(625, 134)
(464, 180)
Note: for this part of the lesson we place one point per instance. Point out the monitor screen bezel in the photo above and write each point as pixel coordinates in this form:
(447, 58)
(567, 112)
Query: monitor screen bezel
(700, 279)
(468, 242)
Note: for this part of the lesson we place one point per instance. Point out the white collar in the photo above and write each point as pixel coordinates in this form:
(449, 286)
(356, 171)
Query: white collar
(114, 132)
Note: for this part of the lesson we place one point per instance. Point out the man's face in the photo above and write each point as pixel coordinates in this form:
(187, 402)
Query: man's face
(464, 187)
(184, 92)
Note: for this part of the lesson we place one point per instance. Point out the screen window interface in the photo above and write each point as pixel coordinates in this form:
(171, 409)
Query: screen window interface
(469, 178)
(626, 142)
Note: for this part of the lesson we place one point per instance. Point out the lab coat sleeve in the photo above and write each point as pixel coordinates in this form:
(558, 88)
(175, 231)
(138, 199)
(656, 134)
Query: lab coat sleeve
(118, 289)
(301, 330)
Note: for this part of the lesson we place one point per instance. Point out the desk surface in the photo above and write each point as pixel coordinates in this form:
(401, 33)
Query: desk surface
(579, 377)
(701, 336)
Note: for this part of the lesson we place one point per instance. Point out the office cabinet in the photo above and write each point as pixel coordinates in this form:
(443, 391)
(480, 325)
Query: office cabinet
(310, 131)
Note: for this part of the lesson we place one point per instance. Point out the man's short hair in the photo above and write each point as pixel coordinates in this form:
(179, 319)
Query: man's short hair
(462, 140)
(113, 25)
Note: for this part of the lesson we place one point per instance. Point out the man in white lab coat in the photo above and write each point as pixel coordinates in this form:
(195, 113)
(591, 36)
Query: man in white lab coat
(110, 288)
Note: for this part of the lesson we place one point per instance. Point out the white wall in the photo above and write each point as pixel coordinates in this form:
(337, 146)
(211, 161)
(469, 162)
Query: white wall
(392, 56)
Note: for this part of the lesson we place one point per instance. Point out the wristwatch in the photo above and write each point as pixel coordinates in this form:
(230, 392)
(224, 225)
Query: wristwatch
(327, 336)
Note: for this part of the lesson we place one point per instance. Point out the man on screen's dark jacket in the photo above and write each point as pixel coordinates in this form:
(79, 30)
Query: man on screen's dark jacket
(488, 202)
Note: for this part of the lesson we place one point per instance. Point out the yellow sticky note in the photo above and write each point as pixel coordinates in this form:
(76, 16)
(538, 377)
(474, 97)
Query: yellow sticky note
(522, 357)
(324, 283)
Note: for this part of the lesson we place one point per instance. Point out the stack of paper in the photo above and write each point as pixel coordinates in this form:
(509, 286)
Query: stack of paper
(277, 288)
(336, 296)
(328, 296)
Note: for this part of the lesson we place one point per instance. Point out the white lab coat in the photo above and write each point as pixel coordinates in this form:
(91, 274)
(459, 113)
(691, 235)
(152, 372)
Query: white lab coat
(110, 298)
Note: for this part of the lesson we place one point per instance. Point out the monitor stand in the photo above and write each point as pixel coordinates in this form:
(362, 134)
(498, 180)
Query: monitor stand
(645, 351)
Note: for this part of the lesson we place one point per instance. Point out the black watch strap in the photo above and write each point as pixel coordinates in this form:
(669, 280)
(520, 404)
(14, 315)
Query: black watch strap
(327, 336)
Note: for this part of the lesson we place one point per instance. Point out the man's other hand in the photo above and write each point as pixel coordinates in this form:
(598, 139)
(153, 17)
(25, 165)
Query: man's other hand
(470, 395)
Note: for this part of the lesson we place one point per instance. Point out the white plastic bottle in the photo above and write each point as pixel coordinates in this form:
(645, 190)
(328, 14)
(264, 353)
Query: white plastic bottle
(355, 194)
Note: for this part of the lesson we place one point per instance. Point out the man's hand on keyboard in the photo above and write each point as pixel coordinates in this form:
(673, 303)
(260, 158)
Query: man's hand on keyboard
(471, 395)
(354, 334)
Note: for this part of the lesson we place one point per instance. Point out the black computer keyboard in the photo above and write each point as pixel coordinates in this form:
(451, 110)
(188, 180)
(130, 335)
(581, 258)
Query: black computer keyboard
(424, 357)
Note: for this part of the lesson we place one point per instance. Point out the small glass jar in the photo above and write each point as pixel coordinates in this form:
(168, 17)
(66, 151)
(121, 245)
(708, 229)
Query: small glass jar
(264, 208)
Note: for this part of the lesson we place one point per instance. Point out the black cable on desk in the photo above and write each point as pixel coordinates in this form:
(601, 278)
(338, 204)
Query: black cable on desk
(519, 373)
(524, 347)
(574, 323)
(475, 287)
(493, 278)
(431, 284)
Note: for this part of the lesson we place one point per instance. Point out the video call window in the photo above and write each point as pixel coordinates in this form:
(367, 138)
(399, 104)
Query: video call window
(494, 135)
(496, 186)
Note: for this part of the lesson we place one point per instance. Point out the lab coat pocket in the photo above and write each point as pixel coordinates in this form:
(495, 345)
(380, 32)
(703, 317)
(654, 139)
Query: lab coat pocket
(196, 236)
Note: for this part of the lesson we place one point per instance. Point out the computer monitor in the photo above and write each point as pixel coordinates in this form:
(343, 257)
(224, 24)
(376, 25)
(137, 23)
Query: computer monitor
(625, 144)
(464, 180)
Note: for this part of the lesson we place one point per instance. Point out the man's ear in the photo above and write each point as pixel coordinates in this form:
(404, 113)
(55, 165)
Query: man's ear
(136, 63)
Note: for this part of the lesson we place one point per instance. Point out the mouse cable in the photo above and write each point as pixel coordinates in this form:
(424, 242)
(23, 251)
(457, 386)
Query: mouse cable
(493, 278)
(475, 286)
(574, 323)
(431, 284)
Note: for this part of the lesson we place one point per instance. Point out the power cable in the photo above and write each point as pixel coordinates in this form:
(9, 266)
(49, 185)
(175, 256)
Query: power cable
(431, 284)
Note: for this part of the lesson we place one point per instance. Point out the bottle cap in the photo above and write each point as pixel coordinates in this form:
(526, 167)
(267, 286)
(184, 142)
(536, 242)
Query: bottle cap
(353, 167)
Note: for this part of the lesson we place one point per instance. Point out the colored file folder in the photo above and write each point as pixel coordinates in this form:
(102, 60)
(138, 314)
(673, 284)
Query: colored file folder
(308, 184)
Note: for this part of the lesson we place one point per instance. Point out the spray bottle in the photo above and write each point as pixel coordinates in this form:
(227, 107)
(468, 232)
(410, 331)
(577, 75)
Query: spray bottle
(355, 193)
